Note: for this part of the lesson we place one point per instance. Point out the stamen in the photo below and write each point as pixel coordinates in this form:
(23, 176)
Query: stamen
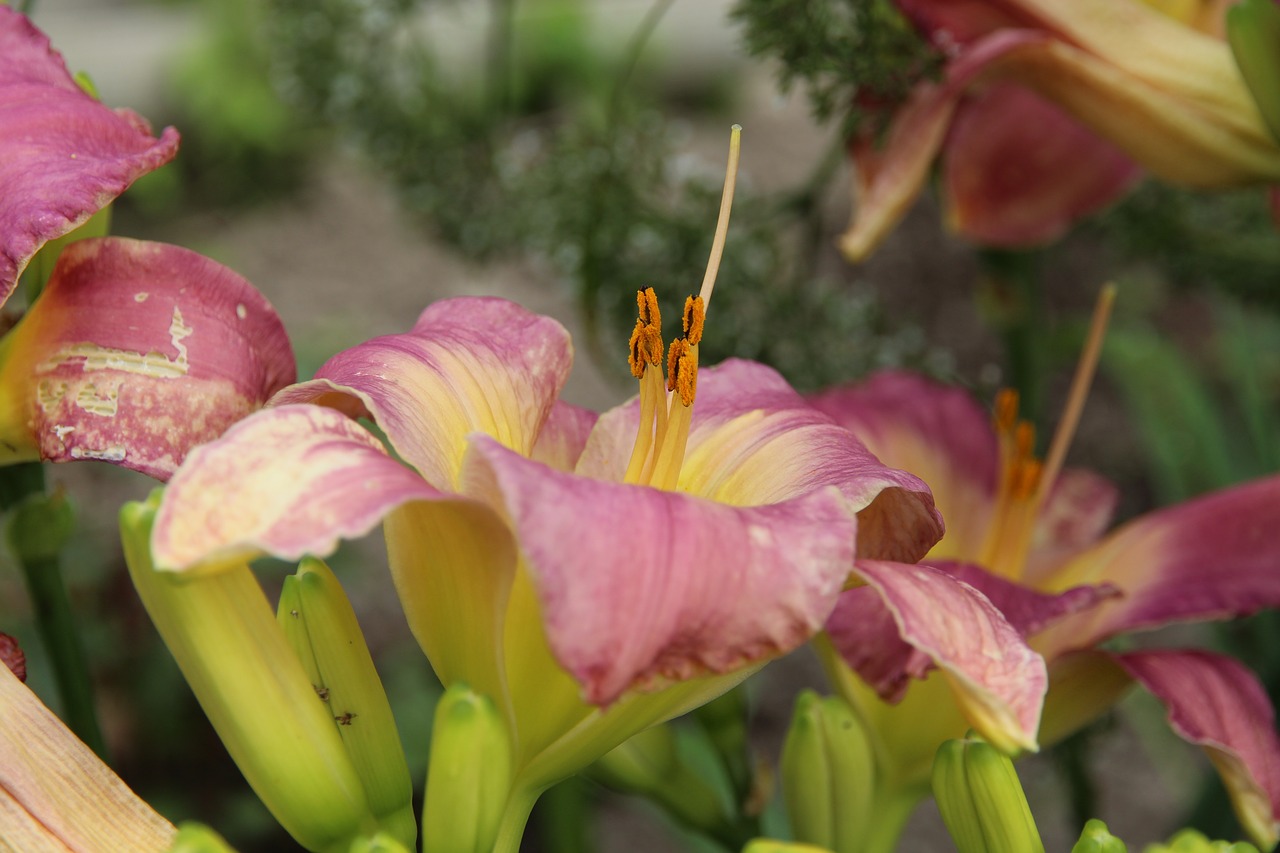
(695, 317)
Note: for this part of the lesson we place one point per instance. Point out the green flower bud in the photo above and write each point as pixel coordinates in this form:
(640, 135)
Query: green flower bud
(1192, 841)
(380, 843)
(1096, 838)
(224, 636)
(320, 625)
(769, 845)
(828, 774)
(197, 838)
(1253, 30)
(468, 776)
(981, 799)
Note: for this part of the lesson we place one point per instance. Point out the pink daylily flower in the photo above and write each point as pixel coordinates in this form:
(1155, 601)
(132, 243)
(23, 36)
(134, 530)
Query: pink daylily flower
(1049, 110)
(1069, 586)
(593, 575)
(134, 351)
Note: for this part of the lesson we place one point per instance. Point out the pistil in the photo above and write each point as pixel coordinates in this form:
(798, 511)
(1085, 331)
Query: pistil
(666, 412)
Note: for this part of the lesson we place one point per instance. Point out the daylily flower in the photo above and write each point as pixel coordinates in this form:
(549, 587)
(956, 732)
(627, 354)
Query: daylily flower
(1035, 545)
(1046, 110)
(134, 351)
(55, 794)
(590, 575)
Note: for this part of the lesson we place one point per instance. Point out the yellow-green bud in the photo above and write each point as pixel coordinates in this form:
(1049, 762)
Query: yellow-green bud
(380, 843)
(318, 621)
(1253, 31)
(197, 838)
(1096, 838)
(224, 637)
(1192, 841)
(769, 845)
(981, 799)
(828, 774)
(468, 775)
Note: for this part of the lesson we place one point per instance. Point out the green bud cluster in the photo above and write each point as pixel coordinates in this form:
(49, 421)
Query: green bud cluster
(981, 800)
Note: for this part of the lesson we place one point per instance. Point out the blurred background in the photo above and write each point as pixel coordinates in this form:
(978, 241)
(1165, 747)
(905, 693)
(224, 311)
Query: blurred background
(358, 159)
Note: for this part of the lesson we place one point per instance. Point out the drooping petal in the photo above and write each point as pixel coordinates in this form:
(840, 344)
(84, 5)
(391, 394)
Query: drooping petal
(997, 680)
(1210, 558)
(55, 794)
(935, 431)
(754, 440)
(293, 480)
(134, 353)
(470, 365)
(1017, 171)
(288, 481)
(63, 155)
(661, 586)
(1217, 703)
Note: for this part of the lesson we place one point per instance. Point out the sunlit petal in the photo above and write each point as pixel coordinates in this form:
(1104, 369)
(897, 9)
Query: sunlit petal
(136, 352)
(469, 365)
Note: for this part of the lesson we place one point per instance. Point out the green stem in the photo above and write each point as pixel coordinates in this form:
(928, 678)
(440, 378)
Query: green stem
(511, 829)
(35, 537)
(894, 806)
(1016, 309)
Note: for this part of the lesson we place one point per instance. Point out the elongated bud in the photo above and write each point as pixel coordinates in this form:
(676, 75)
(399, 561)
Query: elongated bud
(321, 626)
(981, 799)
(770, 845)
(649, 765)
(223, 635)
(380, 843)
(1253, 31)
(468, 775)
(197, 838)
(828, 774)
(1096, 838)
(1192, 841)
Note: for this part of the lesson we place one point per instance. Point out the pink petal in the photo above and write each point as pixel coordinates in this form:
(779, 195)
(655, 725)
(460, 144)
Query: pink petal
(63, 155)
(1210, 558)
(288, 481)
(1018, 171)
(134, 353)
(1218, 704)
(641, 587)
(1075, 515)
(469, 365)
(935, 431)
(564, 435)
(998, 681)
(754, 440)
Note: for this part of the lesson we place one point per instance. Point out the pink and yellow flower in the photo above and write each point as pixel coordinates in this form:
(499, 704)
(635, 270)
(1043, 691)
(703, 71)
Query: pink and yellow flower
(1046, 111)
(592, 575)
(1037, 548)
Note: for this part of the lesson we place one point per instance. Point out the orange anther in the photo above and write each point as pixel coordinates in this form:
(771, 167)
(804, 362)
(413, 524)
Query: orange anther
(695, 315)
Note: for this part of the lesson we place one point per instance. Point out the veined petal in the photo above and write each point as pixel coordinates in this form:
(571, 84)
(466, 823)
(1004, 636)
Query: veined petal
(56, 794)
(564, 435)
(1017, 171)
(289, 481)
(470, 364)
(661, 586)
(63, 155)
(997, 680)
(1209, 558)
(1218, 704)
(754, 440)
(134, 353)
(935, 431)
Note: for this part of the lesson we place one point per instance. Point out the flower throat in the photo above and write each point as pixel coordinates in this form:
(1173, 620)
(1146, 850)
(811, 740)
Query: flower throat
(666, 407)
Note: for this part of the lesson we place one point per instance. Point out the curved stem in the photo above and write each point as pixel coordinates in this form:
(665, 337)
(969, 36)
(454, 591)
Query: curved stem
(511, 829)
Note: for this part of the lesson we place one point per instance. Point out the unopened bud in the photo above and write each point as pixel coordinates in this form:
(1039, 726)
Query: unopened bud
(1253, 31)
(981, 799)
(1096, 838)
(1191, 841)
(197, 838)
